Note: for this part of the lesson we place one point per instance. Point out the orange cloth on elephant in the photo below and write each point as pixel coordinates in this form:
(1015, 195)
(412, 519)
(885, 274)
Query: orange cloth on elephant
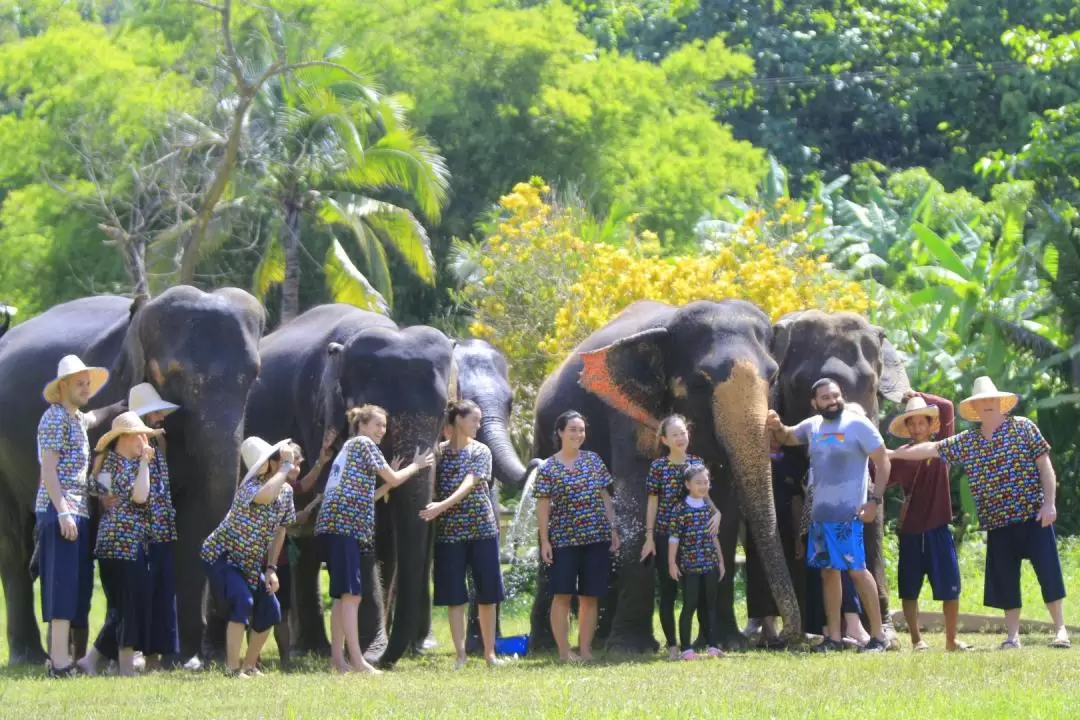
(927, 499)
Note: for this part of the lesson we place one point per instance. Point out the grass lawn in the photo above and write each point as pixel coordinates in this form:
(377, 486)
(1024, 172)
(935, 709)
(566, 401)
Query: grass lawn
(1035, 682)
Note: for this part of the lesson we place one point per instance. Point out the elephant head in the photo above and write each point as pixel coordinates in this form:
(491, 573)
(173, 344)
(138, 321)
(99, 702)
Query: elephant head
(200, 350)
(483, 377)
(407, 372)
(710, 362)
(844, 347)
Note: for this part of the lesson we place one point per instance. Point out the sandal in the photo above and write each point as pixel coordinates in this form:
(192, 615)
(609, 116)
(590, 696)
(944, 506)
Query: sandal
(1009, 645)
(63, 673)
(1061, 643)
(921, 646)
(961, 647)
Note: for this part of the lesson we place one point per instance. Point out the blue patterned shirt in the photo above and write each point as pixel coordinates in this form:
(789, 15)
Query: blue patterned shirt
(162, 512)
(577, 506)
(690, 529)
(473, 518)
(65, 434)
(247, 530)
(666, 483)
(348, 506)
(125, 529)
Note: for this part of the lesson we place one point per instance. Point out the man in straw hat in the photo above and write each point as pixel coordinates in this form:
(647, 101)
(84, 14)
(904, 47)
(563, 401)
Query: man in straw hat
(241, 553)
(841, 443)
(926, 542)
(1007, 461)
(63, 517)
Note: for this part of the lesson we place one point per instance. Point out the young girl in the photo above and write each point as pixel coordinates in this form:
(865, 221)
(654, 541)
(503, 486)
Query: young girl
(666, 491)
(694, 555)
(123, 470)
(576, 521)
(346, 527)
(239, 554)
(466, 537)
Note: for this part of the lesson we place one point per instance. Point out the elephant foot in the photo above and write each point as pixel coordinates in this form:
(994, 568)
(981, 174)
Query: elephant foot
(27, 655)
(632, 642)
(730, 639)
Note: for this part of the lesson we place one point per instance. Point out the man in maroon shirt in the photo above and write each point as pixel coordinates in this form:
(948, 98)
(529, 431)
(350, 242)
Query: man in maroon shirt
(926, 542)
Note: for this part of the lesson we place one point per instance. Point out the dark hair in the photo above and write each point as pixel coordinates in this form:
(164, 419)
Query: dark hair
(691, 472)
(362, 415)
(562, 421)
(99, 457)
(662, 432)
(823, 382)
(460, 408)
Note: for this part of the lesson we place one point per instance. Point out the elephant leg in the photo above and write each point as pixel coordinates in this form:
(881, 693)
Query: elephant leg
(310, 632)
(372, 612)
(540, 635)
(728, 632)
(425, 637)
(23, 636)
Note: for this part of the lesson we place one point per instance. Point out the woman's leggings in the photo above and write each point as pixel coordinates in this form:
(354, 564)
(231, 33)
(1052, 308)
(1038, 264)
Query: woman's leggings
(669, 592)
(698, 587)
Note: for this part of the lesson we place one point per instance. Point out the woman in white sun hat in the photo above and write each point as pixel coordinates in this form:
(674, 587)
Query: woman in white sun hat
(240, 554)
(65, 565)
(122, 469)
(1012, 481)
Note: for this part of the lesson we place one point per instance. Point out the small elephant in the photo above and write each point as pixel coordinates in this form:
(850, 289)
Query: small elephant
(810, 345)
(710, 362)
(314, 368)
(200, 351)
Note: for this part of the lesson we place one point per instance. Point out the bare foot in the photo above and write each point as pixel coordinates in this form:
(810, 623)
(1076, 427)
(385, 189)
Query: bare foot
(570, 657)
(340, 666)
(87, 666)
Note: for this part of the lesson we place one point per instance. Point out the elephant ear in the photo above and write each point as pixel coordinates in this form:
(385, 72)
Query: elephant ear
(629, 375)
(134, 355)
(778, 347)
(331, 397)
(453, 392)
(894, 380)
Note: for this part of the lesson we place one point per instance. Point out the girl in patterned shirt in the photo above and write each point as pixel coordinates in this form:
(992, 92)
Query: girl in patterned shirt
(666, 490)
(694, 555)
(466, 536)
(346, 527)
(122, 469)
(576, 521)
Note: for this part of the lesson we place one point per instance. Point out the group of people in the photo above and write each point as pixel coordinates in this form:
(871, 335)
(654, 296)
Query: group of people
(1005, 457)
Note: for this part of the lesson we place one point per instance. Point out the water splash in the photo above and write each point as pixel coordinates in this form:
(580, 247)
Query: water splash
(523, 544)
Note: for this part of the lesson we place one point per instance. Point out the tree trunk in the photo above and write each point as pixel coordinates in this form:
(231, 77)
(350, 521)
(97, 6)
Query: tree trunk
(290, 243)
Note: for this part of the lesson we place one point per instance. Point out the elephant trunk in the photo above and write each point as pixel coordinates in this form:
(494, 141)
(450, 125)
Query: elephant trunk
(740, 405)
(506, 465)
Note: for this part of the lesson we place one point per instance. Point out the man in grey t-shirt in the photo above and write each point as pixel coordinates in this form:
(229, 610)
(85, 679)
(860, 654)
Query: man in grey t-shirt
(840, 444)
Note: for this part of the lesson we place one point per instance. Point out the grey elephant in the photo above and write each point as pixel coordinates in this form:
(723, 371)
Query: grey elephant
(328, 359)
(200, 351)
(810, 345)
(710, 362)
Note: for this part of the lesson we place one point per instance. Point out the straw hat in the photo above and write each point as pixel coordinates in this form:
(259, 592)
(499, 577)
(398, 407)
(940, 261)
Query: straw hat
(255, 451)
(143, 399)
(915, 407)
(984, 389)
(127, 423)
(71, 365)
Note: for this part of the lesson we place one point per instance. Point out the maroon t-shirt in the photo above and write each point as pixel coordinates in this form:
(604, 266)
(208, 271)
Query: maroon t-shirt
(927, 500)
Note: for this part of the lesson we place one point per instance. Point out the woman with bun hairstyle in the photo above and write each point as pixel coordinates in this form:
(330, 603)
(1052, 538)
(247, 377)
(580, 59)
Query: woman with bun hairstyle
(466, 535)
(576, 521)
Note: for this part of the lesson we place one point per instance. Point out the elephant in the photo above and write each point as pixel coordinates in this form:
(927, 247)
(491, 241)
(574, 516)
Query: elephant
(314, 367)
(200, 351)
(710, 362)
(810, 345)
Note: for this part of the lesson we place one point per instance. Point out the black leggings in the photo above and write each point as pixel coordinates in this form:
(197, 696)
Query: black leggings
(697, 586)
(669, 592)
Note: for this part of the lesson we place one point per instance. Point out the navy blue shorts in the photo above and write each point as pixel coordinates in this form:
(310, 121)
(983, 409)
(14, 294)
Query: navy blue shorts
(454, 559)
(66, 569)
(836, 546)
(255, 608)
(1006, 547)
(351, 568)
(580, 570)
(126, 584)
(929, 554)
(164, 635)
(284, 592)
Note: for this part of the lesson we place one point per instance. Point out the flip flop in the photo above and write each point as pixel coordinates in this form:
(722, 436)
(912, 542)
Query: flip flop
(1009, 645)
(1061, 643)
(961, 647)
(921, 646)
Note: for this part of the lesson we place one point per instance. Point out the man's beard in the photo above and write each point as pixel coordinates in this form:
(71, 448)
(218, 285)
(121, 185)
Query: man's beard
(833, 411)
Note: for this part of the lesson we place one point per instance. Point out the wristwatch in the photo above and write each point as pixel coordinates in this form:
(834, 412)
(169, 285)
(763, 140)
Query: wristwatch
(875, 499)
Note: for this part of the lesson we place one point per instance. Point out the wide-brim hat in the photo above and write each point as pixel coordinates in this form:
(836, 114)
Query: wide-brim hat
(143, 399)
(71, 365)
(984, 389)
(127, 423)
(256, 452)
(916, 407)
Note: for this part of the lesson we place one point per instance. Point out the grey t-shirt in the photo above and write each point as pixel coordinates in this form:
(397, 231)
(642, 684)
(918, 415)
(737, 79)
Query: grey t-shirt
(839, 450)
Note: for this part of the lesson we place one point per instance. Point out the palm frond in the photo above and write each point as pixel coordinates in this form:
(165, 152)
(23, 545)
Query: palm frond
(367, 241)
(348, 285)
(397, 229)
(270, 270)
(407, 161)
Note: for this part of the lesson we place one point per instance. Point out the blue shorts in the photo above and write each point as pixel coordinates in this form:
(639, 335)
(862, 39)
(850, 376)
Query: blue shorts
(580, 570)
(164, 635)
(929, 554)
(452, 562)
(1006, 547)
(127, 594)
(836, 546)
(284, 591)
(66, 569)
(256, 608)
(351, 568)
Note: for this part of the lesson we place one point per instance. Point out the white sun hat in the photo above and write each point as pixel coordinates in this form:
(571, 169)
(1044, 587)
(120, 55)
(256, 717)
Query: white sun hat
(71, 365)
(143, 399)
(916, 406)
(255, 451)
(127, 423)
(984, 389)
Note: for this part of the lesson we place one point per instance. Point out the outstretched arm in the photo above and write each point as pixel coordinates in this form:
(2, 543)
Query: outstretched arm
(780, 431)
(920, 451)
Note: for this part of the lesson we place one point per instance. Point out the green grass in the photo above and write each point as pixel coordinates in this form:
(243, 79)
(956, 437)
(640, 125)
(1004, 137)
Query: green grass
(1035, 682)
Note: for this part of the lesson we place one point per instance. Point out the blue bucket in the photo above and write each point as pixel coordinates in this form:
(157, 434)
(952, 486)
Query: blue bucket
(513, 645)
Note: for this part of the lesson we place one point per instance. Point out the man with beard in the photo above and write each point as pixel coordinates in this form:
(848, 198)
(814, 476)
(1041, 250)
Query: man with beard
(840, 444)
